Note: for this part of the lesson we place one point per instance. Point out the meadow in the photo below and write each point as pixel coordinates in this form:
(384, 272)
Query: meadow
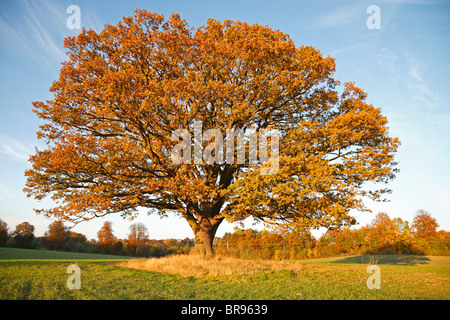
(43, 275)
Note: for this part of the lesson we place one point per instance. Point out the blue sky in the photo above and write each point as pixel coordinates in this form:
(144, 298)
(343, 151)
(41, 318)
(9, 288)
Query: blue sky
(403, 66)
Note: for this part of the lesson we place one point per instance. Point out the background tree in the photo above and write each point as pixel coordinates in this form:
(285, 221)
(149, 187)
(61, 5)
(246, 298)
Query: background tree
(23, 235)
(137, 243)
(443, 247)
(425, 234)
(4, 234)
(77, 242)
(56, 236)
(424, 226)
(107, 242)
(125, 90)
(383, 234)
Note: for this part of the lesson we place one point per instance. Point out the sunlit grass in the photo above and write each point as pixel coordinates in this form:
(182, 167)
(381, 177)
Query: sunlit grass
(200, 266)
(396, 260)
(196, 278)
(34, 254)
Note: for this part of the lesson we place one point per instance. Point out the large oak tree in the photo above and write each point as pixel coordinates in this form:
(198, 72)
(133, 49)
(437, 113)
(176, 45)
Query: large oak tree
(125, 90)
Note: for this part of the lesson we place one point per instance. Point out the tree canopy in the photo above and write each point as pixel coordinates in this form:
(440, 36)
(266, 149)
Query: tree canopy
(124, 91)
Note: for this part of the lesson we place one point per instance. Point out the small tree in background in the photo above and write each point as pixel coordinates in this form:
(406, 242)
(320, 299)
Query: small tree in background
(4, 234)
(383, 233)
(77, 242)
(137, 243)
(424, 232)
(56, 236)
(23, 235)
(107, 242)
(424, 226)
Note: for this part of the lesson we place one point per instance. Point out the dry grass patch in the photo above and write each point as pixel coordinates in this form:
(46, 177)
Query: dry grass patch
(200, 266)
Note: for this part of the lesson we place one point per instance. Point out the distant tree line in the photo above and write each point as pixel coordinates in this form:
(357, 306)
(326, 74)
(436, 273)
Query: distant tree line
(59, 237)
(382, 236)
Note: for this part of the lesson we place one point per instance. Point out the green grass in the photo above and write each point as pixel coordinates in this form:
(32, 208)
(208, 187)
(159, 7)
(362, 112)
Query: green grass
(396, 260)
(32, 254)
(102, 279)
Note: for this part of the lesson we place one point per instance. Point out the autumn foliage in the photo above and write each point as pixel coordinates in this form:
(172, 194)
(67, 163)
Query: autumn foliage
(56, 236)
(382, 236)
(23, 235)
(107, 242)
(123, 91)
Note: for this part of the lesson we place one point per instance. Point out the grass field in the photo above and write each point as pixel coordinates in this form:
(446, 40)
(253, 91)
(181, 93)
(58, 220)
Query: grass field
(402, 277)
(31, 254)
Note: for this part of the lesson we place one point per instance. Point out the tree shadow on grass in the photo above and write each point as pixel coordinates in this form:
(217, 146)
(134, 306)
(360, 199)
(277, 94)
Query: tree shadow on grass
(400, 260)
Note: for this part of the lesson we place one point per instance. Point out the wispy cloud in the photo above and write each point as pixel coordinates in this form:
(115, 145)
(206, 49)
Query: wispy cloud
(29, 28)
(428, 2)
(348, 48)
(408, 73)
(388, 58)
(356, 11)
(14, 149)
(343, 15)
(37, 29)
(5, 192)
(421, 92)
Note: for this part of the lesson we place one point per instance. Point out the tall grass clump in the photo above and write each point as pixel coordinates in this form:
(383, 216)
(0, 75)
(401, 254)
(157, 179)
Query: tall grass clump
(198, 266)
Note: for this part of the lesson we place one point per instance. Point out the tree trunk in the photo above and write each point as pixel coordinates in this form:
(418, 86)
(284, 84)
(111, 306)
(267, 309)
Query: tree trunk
(204, 235)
